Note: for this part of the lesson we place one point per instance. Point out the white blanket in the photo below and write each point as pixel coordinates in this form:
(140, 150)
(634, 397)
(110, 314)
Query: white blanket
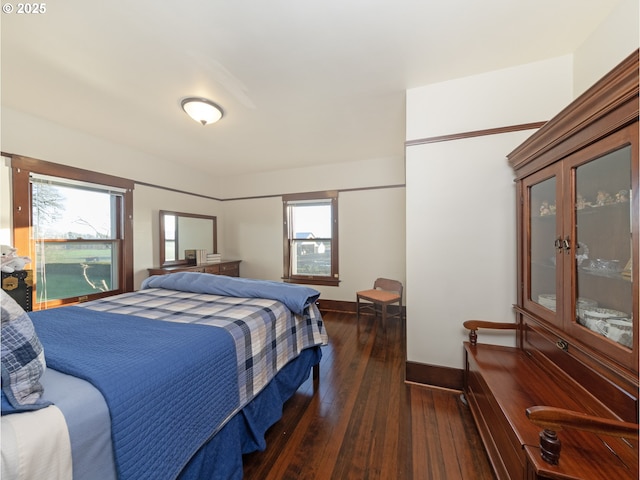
(36, 445)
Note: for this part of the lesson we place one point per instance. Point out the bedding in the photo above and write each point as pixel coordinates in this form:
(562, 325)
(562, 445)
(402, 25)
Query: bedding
(23, 361)
(263, 345)
(89, 429)
(297, 298)
(157, 382)
(36, 445)
(271, 355)
(90, 434)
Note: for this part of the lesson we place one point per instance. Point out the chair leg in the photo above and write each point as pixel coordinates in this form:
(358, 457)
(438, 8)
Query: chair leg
(384, 318)
(358, 314)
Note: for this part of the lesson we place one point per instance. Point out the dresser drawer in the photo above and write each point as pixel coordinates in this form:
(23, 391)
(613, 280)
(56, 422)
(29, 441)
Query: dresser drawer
(212, 269)
(231, 269)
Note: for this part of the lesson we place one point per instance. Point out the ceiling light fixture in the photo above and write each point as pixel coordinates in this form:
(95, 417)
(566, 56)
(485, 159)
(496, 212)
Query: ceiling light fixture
(202, 110)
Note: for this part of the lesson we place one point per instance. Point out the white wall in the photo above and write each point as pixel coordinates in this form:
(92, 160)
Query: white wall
(147, 202)
(34, 137)
(511, 96)
(461, 244)
(371, 221)
(372, 239)
(249, 230)
(371, 234)
(6, 220)
(364, 173)
(612, 42)
(460, 201)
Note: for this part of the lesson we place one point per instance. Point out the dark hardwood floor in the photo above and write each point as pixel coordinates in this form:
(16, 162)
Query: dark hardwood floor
(361, 421)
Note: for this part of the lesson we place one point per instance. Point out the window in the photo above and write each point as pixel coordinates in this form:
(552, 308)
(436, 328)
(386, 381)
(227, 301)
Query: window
(74, 231)
(311, 238)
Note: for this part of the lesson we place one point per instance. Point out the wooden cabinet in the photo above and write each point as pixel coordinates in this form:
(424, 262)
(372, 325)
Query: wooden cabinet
(578, 238)
(230, 268)
(575, 367)
(578, 234)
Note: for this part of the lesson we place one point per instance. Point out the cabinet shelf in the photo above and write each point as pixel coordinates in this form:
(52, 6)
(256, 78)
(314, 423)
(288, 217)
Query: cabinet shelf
(611, 275)
(602, 209)
(583, 271)
(586, 210)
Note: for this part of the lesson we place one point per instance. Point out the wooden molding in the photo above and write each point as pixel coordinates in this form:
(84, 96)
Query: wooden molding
(434, 375)
(474, 133)
(343, 306)
(65, 171)
(336, 306)
(218, 199)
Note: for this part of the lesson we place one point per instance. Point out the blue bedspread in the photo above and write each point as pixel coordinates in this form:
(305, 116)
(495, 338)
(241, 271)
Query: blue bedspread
(296, 297)
(266, 333)
(163, 400)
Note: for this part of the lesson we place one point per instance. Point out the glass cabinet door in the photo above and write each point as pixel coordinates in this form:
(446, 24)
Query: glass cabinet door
(602, 267)
(542, 271)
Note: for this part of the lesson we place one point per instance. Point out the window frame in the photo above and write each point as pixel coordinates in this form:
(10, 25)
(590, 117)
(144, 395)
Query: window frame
(329, 196)
(21, 169)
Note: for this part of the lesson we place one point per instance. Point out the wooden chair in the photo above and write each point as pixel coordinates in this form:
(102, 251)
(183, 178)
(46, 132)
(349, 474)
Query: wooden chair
(384, 293)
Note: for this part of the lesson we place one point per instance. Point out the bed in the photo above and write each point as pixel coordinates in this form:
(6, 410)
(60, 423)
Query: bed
(199, 367)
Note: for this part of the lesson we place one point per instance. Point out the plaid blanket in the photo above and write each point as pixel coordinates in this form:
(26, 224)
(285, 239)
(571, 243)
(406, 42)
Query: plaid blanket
(266, 333)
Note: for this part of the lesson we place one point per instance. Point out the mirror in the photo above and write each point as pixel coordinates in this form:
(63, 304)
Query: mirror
(185, 231)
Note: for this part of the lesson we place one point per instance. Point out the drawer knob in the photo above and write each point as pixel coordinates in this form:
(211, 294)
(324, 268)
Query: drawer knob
(562, 345)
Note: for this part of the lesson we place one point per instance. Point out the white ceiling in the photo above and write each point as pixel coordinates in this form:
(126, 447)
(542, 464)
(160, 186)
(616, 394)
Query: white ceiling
(302, 82)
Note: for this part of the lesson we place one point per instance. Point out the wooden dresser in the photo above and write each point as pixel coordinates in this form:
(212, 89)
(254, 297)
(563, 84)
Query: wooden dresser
(563, 403)
(230, 268)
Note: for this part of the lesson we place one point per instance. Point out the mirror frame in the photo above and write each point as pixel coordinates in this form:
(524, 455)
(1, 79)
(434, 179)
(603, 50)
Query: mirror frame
(162, 213)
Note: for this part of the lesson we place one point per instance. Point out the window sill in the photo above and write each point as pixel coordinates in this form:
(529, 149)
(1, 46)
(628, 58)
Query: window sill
(329, 282)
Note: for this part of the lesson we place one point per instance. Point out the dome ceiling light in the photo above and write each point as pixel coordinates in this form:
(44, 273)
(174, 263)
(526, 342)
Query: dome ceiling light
(202, 110)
